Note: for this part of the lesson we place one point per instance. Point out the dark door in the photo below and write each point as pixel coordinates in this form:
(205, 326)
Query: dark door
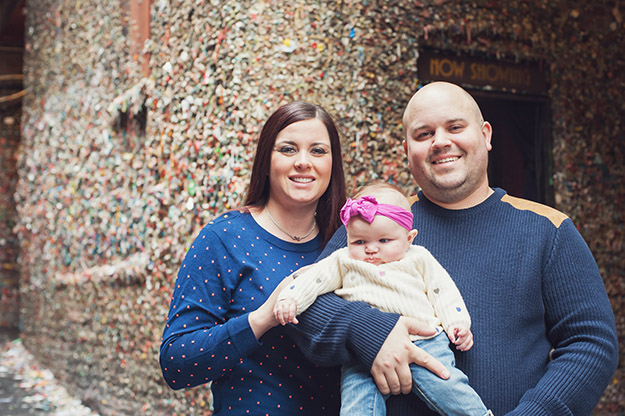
(520, 160)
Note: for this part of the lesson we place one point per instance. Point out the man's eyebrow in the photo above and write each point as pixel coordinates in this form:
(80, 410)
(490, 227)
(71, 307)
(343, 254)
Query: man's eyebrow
(419, 126)
(455, 120)
(425, 125)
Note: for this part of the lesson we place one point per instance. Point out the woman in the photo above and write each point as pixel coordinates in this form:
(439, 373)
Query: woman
(220, 326)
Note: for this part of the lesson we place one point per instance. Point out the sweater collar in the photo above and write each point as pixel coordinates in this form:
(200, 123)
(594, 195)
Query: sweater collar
(309, 246)
(485, 205)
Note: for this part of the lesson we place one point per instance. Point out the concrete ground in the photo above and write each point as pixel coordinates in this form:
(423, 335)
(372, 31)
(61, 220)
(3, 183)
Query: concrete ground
(28, 389)
(12, 397)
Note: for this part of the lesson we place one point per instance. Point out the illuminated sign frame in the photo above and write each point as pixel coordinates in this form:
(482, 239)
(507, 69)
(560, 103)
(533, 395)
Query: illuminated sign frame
(487, 74)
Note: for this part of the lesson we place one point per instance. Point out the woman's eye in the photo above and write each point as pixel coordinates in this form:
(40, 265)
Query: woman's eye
(319, 151)
(288, 150)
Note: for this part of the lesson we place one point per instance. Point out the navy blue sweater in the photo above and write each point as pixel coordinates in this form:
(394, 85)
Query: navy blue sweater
(544, 331)
(231, 268)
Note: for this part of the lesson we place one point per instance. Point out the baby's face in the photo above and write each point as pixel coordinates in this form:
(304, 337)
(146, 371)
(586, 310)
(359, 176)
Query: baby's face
(382, 241)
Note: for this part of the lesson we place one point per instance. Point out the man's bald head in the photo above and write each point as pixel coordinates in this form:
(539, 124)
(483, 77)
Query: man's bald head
(427, 93)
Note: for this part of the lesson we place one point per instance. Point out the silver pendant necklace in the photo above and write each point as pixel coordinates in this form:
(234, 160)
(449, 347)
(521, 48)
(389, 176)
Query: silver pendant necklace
(294, 237)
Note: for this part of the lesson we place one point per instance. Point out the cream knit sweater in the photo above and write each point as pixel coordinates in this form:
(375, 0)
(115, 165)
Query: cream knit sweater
(416, 286)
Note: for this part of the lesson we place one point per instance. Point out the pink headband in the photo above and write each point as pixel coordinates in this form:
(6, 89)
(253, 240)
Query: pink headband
(367, 207)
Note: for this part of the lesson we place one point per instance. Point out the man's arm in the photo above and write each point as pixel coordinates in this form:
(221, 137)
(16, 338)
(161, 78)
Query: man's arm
(329, 331)
(581, 330)
(333, 331)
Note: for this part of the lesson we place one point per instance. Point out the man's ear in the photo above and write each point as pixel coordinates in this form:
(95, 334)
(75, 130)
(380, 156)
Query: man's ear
(487, 132)
(405, 144)
(411, 235)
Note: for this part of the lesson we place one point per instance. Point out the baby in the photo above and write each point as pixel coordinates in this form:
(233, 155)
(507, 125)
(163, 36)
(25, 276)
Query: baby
(380, 266)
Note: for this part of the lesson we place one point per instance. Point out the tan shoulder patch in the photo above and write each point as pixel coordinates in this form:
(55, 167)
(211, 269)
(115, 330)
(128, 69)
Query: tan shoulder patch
(553, 215)
(412, 199)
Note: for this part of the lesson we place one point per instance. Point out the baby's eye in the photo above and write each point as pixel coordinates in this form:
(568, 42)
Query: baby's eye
(384, 240)
(359, 242)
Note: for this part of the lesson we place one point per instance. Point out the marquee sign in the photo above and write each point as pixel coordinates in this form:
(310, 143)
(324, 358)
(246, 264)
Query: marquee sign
(491, 74)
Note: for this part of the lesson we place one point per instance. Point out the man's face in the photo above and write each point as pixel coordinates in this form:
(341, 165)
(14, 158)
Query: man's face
(447, 144)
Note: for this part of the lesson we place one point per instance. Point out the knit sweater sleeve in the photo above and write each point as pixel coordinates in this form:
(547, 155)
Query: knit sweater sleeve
(442, 291)
(333, 331)
(581, 329)
(318, 279)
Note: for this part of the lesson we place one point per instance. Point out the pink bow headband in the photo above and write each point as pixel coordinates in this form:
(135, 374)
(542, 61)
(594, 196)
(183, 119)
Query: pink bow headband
(368, 207)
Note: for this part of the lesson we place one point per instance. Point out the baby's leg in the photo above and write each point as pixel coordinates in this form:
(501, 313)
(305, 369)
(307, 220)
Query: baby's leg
(452, 397)
(359, 394)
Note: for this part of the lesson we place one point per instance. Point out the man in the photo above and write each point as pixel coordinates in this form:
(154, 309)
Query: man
(544, 331)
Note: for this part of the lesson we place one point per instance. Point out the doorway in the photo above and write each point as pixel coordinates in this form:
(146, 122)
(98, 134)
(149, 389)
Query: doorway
(520, 161)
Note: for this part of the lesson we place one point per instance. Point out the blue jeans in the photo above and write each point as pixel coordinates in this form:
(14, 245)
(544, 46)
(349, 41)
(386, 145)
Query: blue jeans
(454, 396)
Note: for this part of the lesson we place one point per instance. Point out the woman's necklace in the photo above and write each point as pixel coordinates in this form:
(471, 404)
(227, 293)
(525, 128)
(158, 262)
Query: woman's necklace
(294, 237)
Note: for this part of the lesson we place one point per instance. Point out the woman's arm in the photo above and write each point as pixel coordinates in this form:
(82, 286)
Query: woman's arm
(200, 342)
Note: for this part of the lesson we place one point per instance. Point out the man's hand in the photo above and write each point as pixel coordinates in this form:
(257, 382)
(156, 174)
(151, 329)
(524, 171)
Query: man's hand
(391, 370)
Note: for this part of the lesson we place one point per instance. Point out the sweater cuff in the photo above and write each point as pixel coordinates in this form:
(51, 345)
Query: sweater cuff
(532, 404)
(369, 330)
(242, 336)
(531, 408)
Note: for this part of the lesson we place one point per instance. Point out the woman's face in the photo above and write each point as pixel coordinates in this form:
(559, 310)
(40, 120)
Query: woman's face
(301, 164)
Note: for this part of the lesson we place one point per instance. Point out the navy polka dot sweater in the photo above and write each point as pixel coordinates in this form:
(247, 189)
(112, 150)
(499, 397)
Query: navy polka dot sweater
(231, 268)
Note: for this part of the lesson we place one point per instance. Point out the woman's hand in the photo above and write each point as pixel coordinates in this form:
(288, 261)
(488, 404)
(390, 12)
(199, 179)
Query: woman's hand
(262, 319)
